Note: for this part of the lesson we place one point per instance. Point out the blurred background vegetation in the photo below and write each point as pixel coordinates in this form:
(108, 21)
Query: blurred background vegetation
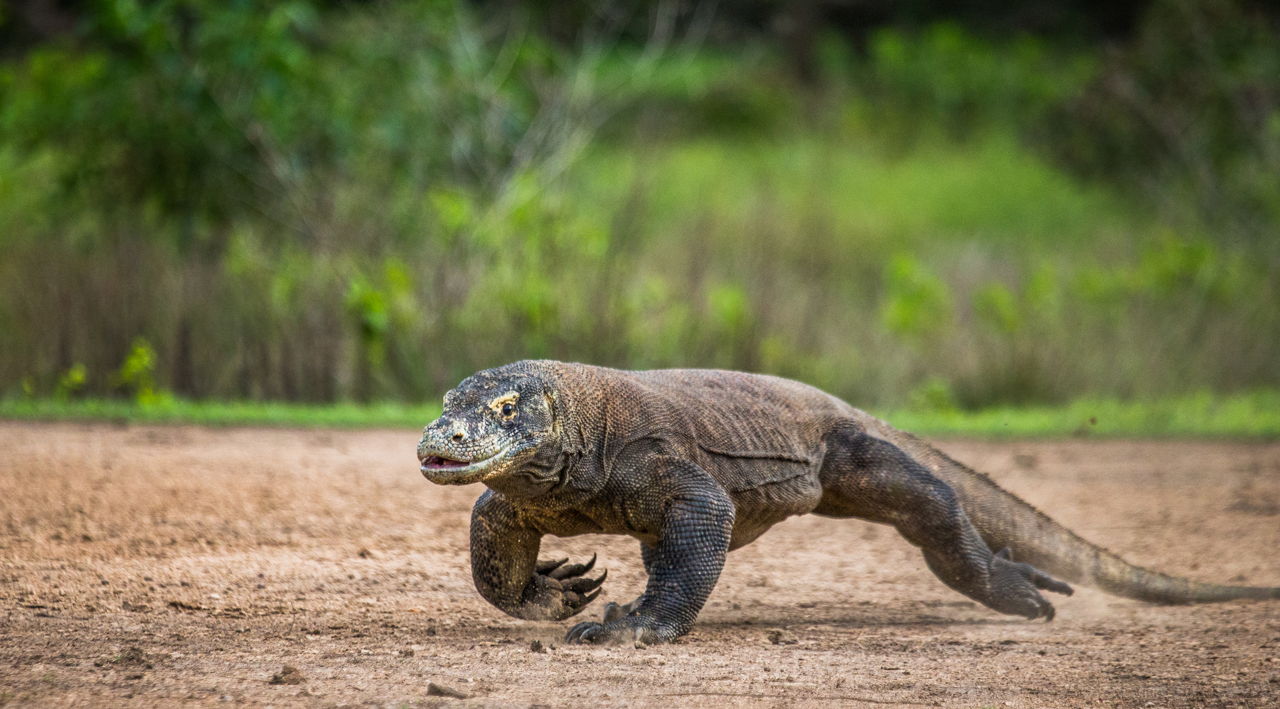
(934, 205)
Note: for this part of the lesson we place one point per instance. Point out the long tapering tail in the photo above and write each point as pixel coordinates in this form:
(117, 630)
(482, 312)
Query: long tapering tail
(1005, 520)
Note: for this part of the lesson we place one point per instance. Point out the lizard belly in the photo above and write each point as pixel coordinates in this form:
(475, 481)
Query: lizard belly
(765, 492)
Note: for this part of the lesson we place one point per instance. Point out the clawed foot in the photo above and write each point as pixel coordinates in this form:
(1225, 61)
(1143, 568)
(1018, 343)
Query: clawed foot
(568, 585)
(617, 626)
(1014, 587)
(588, 632)
(625, 630)
(621, 625)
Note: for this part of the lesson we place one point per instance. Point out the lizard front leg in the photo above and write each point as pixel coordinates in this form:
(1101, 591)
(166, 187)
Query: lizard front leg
(507, 573)
(694, 518)
(614, 611)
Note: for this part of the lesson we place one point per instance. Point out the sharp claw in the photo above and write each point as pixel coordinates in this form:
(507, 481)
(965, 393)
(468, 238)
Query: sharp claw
(1048, 613)
(596, 583)
(578, 633)
(582, 585)
(573, 569)
(586, 601)
(546, 567)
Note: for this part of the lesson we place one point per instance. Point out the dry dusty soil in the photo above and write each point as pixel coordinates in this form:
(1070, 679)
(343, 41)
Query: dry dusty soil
(169, 565)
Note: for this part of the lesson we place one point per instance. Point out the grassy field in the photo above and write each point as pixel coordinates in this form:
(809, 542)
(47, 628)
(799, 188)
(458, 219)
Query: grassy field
(1253, 415)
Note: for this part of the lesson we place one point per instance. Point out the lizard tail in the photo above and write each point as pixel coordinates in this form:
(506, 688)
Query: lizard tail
(1005, 520)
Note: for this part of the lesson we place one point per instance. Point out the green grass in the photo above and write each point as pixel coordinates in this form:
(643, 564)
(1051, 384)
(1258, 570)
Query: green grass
(1251, 415)
(224, 413)
(989, 189)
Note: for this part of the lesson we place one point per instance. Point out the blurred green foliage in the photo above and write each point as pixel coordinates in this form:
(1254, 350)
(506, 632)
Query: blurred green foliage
(916, 304)
(136, 376)
(1200, 415)
(947, 78)
(318, 202)
(72, 382)
(1188, 113)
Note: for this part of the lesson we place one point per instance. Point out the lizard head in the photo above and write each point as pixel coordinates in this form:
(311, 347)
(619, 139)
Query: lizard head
(498, 427)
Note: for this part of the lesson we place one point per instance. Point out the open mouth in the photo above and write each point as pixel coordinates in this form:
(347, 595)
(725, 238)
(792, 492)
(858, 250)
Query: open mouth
(436, 462)
(450, 471)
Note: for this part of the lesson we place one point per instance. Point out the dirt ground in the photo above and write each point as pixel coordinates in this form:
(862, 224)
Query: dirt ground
(171, 565)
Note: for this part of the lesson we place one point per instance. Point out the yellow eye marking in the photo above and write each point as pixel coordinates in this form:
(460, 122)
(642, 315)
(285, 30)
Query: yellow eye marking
(505, 405)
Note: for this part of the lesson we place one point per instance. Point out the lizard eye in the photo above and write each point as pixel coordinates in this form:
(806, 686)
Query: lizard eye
(505, 405)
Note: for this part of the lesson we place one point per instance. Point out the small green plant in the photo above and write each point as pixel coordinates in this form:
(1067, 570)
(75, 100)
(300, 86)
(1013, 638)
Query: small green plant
(934, 395)
(997, 306)
(917, 302)
(137, 375)
(72, 382)
(367, 305)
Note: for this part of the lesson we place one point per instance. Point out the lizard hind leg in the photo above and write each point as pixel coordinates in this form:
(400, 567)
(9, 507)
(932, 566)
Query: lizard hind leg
(872, 479)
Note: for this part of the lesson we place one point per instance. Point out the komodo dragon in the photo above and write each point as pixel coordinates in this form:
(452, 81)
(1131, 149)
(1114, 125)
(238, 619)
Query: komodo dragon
(696, 463)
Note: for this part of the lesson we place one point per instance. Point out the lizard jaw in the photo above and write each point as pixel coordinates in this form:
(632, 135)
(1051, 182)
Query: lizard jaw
(448, 471)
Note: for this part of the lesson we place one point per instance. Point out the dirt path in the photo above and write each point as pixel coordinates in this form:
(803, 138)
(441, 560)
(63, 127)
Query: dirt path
(154, 566)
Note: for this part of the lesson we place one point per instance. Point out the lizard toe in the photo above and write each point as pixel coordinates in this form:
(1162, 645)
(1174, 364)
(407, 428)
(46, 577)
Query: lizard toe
(546, 566)
(616, 611)
(583, 584)
(587, 632)
(568, 570)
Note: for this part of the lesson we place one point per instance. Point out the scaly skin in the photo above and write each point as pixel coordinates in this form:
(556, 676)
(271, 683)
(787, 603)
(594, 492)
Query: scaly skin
(696, 463)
